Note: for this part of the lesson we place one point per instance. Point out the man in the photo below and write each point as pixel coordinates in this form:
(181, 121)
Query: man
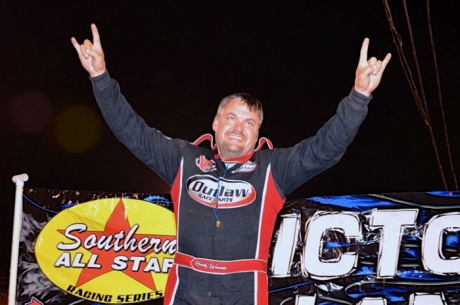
(226, 199)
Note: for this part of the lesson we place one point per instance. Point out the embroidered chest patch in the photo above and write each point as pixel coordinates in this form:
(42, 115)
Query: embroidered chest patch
(205, 165)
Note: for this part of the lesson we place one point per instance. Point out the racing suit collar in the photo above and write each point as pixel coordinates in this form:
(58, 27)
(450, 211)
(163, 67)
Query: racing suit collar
(243, 159)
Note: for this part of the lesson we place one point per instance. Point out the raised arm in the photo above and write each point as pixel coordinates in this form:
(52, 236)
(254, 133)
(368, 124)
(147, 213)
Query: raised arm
(158, 152)
(91, 54)
(296, 165)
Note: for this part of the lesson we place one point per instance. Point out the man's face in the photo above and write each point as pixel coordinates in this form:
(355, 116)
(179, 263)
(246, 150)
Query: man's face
(236, 130)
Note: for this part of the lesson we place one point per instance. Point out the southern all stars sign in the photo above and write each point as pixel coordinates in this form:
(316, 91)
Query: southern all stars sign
(117, 248)
(128, 243)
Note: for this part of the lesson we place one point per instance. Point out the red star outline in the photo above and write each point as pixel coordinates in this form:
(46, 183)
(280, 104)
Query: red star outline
(116, 223)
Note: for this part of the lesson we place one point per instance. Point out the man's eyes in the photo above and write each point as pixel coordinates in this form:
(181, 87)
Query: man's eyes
(233, 119)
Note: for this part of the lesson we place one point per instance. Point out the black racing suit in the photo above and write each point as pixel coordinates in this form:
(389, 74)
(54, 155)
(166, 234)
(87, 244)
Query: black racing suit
(226, 264)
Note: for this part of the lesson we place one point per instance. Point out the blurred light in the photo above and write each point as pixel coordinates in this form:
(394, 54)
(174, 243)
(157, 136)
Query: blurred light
(31, 112)
(77, 128)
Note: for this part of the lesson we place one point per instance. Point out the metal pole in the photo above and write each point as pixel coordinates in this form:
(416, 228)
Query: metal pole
(17, 222)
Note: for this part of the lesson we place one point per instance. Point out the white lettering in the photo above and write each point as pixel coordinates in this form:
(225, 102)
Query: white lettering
(142, 242)
(432, 257)
(63, 260)
(305, 300)
(90, 241)
(391, 223)
(136, 262)
(167, 264)
(197, 263)
(420, 298)
(317, 229)
(152, 265)
(117, 241)
(80, 227)
(372, 301)
(93, 262)
(285, 245)
(77, 263)
(119, 263)
(213, 266)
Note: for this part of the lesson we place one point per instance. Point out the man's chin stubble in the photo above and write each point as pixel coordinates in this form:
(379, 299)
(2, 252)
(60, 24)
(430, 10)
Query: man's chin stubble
(229, 153)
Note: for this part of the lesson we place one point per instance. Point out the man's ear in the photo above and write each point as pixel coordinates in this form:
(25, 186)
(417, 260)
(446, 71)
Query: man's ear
(214, 123)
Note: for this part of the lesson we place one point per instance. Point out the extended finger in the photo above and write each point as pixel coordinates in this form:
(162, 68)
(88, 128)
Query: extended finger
(363, 53)
(96, 37)
(383, 63)
(76, 45)
(386, 60)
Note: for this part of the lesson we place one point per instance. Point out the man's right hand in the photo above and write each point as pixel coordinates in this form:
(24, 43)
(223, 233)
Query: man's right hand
(91, 54)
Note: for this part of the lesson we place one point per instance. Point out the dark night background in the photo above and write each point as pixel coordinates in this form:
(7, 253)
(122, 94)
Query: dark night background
(176, 61)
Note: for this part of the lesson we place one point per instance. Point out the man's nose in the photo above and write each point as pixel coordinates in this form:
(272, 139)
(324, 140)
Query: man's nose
(239, 126)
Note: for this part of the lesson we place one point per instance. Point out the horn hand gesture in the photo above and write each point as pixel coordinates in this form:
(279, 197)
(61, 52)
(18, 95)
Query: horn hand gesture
(369, 71)
(91, 54)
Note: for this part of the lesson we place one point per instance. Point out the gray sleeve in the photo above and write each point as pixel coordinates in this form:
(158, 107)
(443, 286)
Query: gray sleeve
(295, 165)
(161, 154)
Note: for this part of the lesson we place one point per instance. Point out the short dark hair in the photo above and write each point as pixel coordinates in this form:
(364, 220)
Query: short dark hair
(249, 100)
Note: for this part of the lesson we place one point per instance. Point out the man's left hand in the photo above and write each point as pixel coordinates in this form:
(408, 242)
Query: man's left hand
(369, 71)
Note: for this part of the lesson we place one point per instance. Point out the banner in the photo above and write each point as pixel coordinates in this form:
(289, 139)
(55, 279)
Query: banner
(94, 247)
(368, 250)
(117, 248)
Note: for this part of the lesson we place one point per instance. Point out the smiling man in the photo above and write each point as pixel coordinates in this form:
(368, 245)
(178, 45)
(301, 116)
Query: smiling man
(236, 125)
(226, 199)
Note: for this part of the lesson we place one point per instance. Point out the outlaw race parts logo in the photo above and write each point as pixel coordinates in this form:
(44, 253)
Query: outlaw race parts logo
(231, 193)
(109, 250)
